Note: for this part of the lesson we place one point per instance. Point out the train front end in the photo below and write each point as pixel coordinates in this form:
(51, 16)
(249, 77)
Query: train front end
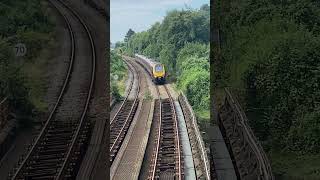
(159, 74)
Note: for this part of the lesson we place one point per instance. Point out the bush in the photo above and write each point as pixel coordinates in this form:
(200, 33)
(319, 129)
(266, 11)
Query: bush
(286, 83)
(118, 73)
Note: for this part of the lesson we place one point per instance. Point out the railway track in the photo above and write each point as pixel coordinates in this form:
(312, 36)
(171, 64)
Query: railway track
(120, 123)
(57, 151)
(166, 161)
(167, 156)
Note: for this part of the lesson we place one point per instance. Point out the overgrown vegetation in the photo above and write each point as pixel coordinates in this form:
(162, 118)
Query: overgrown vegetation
(270, 49)
(118, 75)
(181, 43)
(21, 22)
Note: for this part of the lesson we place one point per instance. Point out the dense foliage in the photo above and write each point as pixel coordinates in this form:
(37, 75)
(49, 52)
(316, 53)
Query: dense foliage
(193, 74)
(118, 74)
(20, 22)
(181, 42)
(270, 49)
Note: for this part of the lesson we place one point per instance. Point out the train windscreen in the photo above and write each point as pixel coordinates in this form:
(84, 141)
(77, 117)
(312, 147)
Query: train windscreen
(158, 68)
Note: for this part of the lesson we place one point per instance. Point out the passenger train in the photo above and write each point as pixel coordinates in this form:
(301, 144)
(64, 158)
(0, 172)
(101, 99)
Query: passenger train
(156, 69)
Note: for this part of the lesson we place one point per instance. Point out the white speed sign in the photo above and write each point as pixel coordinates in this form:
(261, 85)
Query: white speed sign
(20, 49)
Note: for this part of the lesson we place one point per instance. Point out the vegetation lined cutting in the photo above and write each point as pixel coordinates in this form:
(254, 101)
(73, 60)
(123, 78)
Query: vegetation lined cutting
(181, 43)
(21, 79)
(118, 75)
(270, 53)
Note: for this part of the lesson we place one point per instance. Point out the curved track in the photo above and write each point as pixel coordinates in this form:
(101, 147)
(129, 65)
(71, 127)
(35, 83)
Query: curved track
(121, 122)
(58, 149)
(167, 161)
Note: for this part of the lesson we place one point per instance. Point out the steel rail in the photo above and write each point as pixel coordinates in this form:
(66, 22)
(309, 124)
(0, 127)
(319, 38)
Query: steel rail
(131, 109)
(158, 138)
(3, 100)
(42, 133)
(154, 165)
(127, 95)
(178, 151)
(177, 131)
(81, 123)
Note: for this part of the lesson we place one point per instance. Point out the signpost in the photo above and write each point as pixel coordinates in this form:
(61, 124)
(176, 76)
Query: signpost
(20, 50)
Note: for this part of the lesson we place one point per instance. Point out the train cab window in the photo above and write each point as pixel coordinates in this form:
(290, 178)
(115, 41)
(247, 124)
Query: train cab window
(158, 68)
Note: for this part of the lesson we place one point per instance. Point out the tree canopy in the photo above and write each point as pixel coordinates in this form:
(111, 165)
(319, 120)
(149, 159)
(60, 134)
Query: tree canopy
(128, 35)
(25, 22)
(270, 51)
(181, 43)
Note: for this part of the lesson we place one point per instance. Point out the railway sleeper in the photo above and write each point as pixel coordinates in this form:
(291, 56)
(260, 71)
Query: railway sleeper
(51, 150)
(59, 133)
(118, 122)
(61, 129)
(168, 134)
(43, 178)
(126, 109)
(117, 127)
(167, 126)
(167, 160)
(167, 140)
(124, 115)
(119, 135)
(63, 124)
(115, 132)
(49, 160)
(57, 139)
(35, 174)
(168, 147)
(167, 120)
(43, 167)
(115, 148)
(58, 136)
(113, 139)
(39, 178)
(82, 135)
(164, 167)
(48, 156)
(53, 143)
(52, 147)
(167, 154)
(41, 170)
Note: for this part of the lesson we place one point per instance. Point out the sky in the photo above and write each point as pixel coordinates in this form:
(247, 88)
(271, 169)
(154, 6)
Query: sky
(140, 15)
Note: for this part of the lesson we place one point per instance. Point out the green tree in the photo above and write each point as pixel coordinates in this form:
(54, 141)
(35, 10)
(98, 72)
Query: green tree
(128, 35)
